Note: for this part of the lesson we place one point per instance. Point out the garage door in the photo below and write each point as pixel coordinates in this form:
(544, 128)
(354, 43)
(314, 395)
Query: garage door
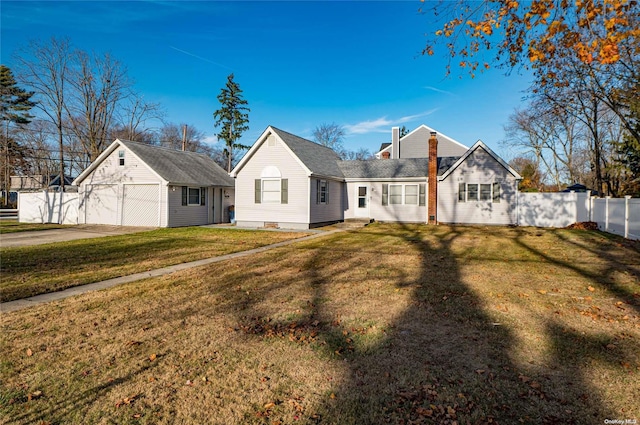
(101, 204)
(140, 205)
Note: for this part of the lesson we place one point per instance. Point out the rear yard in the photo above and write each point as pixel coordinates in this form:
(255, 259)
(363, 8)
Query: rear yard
(389, 324)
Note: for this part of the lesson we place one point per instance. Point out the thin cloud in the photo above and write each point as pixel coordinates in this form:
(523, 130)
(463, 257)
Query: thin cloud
(200, 57)
(382, 124)
(440, 91)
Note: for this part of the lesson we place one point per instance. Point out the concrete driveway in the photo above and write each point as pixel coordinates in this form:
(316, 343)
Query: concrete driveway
(83, 231)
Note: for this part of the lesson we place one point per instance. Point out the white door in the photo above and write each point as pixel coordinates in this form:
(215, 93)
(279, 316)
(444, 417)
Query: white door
(101, 204)
(140, 205)
(362, 201)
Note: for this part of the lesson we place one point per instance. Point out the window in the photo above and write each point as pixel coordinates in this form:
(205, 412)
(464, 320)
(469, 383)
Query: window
(411, 194)
(271, 191)
(121, 157)
(496, 192)
(462, 192)
(472, 192)
(485, 192)
(395, 194)
(322, 192)
(193, 195)
(479, 192)
(414, 194)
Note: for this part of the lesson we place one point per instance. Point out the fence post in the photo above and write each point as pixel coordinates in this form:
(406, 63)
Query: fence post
(606, 213)
(588, 205)
(626, 216)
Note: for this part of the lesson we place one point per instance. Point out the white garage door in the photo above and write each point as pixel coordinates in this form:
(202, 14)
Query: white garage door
(140, 205)
(101, 204)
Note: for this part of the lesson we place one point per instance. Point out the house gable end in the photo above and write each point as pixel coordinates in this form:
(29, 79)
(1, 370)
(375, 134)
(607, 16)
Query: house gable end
(479, 145)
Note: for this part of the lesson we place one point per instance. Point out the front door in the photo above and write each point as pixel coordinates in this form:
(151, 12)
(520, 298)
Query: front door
(362, 201)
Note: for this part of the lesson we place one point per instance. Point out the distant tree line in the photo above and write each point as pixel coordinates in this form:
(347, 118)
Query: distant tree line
(62, 106)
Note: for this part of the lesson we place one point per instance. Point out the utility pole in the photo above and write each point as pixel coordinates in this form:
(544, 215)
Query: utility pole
(184, 138)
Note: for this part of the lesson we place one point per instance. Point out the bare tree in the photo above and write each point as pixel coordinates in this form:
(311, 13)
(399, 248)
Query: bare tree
(133, 116)
(330, 135)
(45, 68)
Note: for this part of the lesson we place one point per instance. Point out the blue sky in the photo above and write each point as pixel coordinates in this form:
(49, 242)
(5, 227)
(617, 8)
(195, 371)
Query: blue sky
(300, 64)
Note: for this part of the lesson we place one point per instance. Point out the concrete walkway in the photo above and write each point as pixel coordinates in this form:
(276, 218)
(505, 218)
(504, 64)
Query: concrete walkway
(82, 289)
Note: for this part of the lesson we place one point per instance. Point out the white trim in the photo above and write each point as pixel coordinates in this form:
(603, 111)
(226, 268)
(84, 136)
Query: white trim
(262, 139)
(110, 149)
(479, 144)
(391, 180)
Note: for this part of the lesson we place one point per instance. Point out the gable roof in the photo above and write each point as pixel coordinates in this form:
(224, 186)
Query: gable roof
(422, 127)
(392, 168)
(177, 167)
(477, 145)
(318, 159)
(314, 158)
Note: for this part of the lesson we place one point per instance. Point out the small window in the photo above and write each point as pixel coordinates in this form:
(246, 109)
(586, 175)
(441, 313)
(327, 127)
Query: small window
(462, 192)
(485, 192)
(411, 194)
(496, 192)
(194, 196)
(322, 192)
(121, 157)
(271, 141)
(395, 194)
(472, 192)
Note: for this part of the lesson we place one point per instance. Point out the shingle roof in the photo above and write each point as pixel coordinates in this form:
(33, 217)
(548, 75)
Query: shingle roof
(392, 168)
(318, 159)
(181, 167)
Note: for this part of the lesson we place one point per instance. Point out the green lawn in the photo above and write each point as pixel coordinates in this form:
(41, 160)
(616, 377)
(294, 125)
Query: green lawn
(12, 226)
(28, 271)
(389, 324)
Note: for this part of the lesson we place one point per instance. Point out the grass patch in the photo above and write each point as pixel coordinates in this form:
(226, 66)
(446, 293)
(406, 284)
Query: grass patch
(32, 270)
(13, 226)
(389, 324)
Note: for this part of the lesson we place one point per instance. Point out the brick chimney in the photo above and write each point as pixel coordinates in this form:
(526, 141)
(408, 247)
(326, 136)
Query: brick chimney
(433, 180)
(386, 155)
(395, 142)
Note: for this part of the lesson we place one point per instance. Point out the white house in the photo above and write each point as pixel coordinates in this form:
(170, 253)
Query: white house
(287, 181)
(136, 184)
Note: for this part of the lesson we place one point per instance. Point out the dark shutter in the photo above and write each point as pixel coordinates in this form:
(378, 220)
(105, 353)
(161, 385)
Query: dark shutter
(326, 196)
(385, 194)
(185, 196)
(203, 194)
(318, 191)
(258, 187)
(284, 191)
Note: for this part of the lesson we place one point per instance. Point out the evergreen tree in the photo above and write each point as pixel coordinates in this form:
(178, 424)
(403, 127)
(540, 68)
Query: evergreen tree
(232, 118)
(15, 105)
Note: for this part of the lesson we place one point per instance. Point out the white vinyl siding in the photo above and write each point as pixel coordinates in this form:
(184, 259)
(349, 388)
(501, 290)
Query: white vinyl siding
(331, 209)
(378, 210)
(416, 145)
(479, 168)
(297, 208)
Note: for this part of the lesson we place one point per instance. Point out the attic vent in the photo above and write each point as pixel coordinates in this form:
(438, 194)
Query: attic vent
(271, 141)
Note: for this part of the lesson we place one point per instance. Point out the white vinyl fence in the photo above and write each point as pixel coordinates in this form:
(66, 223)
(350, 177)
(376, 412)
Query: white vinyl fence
(48, 207)
(620, 216)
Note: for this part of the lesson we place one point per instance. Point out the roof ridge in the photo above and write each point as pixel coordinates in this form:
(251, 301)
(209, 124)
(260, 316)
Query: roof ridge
(302, 138)
(149, 145)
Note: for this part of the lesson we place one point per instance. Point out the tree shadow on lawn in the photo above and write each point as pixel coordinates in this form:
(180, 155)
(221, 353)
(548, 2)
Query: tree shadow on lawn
(442, 359)
(624, 259)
